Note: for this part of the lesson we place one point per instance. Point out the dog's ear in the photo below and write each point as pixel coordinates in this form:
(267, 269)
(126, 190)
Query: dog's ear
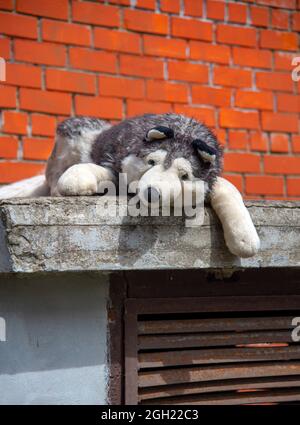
(207, 153)
(159, 133)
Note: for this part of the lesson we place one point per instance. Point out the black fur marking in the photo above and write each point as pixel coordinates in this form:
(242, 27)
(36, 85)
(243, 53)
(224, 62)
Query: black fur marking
(166, 131)
(199, 145)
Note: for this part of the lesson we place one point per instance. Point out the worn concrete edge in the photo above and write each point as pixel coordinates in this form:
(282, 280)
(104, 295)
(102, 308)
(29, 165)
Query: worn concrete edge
(9, 264)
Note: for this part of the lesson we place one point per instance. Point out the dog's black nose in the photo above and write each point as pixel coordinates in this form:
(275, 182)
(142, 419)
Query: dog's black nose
(153, 195)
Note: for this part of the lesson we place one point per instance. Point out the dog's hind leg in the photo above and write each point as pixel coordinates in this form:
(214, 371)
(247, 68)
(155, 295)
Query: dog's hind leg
(239, 232)
(83, 180)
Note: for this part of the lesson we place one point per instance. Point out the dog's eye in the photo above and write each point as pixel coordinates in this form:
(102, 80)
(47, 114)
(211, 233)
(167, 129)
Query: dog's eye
(151, 162)
(185, 177)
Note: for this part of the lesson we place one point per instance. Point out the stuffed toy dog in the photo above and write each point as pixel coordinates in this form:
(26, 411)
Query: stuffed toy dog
(163, 153)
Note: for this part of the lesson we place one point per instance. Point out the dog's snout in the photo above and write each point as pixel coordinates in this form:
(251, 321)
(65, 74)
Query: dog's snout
(152, 195)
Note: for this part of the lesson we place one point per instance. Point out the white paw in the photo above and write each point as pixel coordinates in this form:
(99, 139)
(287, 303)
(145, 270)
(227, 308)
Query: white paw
(242, 240)
(77, 180)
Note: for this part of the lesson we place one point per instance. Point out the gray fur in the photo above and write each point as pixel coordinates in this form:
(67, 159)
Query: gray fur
(116, 143)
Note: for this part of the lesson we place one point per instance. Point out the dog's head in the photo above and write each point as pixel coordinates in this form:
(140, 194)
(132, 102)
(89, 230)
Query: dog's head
(173, 155)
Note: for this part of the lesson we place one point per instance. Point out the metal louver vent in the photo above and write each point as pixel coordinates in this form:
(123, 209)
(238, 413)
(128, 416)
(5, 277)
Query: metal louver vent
(213, 355)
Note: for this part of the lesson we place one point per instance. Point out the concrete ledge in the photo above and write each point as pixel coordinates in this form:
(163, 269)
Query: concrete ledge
(71, 234)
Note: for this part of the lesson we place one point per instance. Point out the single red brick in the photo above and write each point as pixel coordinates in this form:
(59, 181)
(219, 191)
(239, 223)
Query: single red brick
(104, 107)
(215, 9)
(280, 122)
(23, 75)
(160, 46)
(6, 4)
(18, 25)
(293, 186)
(258, 141)
(238, 139)
(43, 125)
(14, 122)
(237, 119)
(171, 6)
(254, 100)
(205, 115)
(279, 142)
(117, 40)
(120, 2)
(225, 76)
(96, 14)
(8, 147)
(282, 164)
(192, 28)
(209, 52)
(234, 179)
(141, 66)
(92, 60)
(259, 16)
(278, 40)
(283, 61)
(137, 20)
(77, 82)
(285, 4)
(211, 96)
(184, 71)
(146, 4)
(14, 171)
(288, 103)
(138, 107)
(229, 34)
(37, 148)
(274, 81)
(242, 162)
(237, 12)
(296, 21)
(280, 19)
(8, 96)
(5, 48)
(221, 135)
(42, 53)
(296, 143)
(264, 185)
(57, 9)
(255, 58)
(49, 102)
(193, 8)
(121, 87)
(166, 92)
(63, 32)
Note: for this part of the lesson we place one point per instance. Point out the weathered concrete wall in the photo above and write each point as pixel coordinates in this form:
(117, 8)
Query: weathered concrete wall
(58, 234)
(55, 352)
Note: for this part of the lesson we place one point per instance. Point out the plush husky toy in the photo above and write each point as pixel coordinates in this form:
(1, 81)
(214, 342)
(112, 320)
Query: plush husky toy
(161, 152)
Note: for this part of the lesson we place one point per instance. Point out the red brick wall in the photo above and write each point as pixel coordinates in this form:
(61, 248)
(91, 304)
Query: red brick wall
(227, 63)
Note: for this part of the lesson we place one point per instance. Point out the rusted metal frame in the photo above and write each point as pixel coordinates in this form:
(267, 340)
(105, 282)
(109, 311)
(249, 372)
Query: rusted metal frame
(218, 386)
(115, 314)
(269, 396)
(227, 324)
(214, 304)
(163, 359)
(197, 283)
(131, 354)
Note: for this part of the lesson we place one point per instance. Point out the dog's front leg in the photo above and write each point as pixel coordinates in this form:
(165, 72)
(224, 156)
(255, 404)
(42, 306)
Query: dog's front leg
(83, 180)
(239, 232)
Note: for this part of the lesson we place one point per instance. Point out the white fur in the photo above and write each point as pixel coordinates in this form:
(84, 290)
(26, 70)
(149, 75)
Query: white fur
(32, 187)
(133, 167)
(239, 232)
(83, 179)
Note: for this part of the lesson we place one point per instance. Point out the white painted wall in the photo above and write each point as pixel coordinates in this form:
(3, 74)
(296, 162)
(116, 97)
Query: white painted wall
(56, 332)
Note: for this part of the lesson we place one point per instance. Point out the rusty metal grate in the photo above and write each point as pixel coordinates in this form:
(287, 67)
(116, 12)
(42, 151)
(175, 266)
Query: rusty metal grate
(230, 350)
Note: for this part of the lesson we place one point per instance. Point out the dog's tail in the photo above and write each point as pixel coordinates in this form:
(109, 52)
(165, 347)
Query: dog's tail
(28, 188)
